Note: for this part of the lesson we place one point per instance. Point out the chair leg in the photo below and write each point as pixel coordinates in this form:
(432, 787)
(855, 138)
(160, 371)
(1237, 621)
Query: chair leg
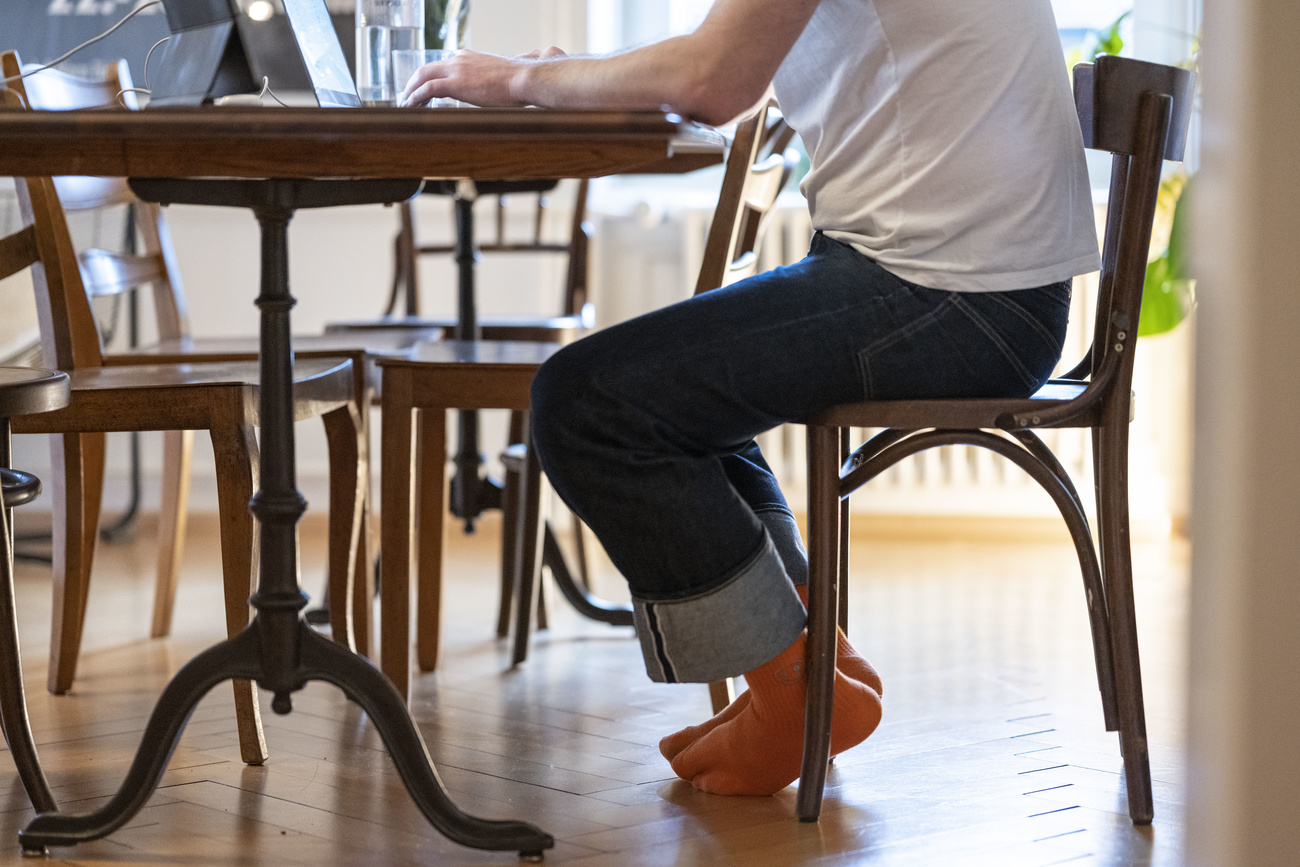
(395, 527)
(509, 525)
(431, 458)
(13, 703)
(580, 552)
(94, 454)
(410, 265)
(1117, 569)
(173, 515)
(823, 600)
(509, 548)
(529, 557)
(235, 450)
(845, 450)
(363, 573)
(72, 459)
(347, 473)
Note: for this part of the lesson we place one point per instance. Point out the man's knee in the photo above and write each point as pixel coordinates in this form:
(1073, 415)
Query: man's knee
(560, 396)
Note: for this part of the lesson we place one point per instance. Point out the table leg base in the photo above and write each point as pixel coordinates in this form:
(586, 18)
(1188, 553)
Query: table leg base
(321, 659)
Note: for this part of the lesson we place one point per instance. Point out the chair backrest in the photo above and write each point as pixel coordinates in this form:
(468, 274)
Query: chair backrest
(1139, 113)
(104, 272)
(44, 246)
(758, 166)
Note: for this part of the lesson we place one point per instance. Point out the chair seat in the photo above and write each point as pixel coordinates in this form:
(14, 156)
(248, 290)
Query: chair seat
(965, 413)
(27, 390)
(360, 348)
(548, 329)
(501, 353)
(383, 342)
(471, 374)
(317, 384)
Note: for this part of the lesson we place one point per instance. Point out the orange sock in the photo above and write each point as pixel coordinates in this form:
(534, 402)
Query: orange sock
(674, 743)
(847, 660)
(759, 750)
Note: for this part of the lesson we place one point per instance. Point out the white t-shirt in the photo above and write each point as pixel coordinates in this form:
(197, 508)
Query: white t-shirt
(944, 140)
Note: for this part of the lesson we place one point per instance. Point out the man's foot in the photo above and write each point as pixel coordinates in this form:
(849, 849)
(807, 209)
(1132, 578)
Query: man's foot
(847, 661)
(674, 743)
(759, 750)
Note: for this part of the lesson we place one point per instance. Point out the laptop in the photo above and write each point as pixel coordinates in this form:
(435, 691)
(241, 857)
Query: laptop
(318, 43)
(207, 56)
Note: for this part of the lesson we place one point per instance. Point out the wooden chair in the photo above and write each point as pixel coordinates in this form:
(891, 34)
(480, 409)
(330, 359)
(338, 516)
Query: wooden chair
(154, 264)
(221, 398)
(23, 391)
(1139, 113)
(455, 374)
(577, 316)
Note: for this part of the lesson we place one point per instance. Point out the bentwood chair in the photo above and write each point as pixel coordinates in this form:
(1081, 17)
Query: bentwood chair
(221, 398)
(23, 391)
(1139, 113)
(454, 374)
(154, 265)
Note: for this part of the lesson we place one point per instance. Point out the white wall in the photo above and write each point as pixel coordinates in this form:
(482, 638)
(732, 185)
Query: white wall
(1244, 772)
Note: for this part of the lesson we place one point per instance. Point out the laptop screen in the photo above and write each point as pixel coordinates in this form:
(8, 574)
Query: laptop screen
(321, 53)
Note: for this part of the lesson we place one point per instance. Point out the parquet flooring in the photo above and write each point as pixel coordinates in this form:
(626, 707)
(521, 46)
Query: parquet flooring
(992, 751)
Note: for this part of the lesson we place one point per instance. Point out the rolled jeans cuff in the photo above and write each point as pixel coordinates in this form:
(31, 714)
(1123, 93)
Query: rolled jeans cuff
(727, 631)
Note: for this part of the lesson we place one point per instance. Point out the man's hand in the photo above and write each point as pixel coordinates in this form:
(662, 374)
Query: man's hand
(473, 77)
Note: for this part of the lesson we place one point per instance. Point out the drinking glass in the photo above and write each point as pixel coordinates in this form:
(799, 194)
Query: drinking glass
(385, 26)
(406, 61)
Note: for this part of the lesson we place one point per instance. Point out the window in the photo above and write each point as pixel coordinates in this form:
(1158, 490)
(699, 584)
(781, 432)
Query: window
(1158, 30)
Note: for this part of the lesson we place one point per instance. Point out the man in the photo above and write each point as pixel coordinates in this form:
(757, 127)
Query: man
(952, 208)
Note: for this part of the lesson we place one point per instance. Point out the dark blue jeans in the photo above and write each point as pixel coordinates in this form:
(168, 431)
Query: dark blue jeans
(646, 430)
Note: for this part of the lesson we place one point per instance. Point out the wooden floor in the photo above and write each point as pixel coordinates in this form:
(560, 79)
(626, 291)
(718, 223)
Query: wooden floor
(992, 751)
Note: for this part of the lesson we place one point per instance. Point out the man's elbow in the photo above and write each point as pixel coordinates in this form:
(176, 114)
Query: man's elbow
(718, 101)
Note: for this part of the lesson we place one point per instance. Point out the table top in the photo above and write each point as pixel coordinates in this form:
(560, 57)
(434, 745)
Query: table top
(298, 142)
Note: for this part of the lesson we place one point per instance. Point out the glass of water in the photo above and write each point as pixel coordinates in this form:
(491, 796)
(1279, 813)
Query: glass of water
(385, 26)
(405, 62)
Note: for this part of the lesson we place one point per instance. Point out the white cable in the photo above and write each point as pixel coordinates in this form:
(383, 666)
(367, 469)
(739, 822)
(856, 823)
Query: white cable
(146, 59)
(91, 41)
(129, 90)
(266, 88)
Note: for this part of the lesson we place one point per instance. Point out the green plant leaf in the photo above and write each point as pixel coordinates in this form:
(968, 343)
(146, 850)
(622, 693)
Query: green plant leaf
(1166, 300)
(1179, 265)
(1108, 40)
(1169, 291)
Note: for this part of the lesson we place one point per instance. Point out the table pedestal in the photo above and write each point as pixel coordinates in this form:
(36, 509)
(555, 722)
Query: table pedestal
(278, 650)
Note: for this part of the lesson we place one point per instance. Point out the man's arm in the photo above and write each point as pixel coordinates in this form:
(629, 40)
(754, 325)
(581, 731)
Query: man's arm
(711, 75)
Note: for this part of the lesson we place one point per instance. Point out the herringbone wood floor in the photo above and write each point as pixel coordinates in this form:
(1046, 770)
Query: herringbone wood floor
(991, 753)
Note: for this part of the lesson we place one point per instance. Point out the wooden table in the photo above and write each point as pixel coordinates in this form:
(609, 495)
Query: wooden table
(275, 161)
